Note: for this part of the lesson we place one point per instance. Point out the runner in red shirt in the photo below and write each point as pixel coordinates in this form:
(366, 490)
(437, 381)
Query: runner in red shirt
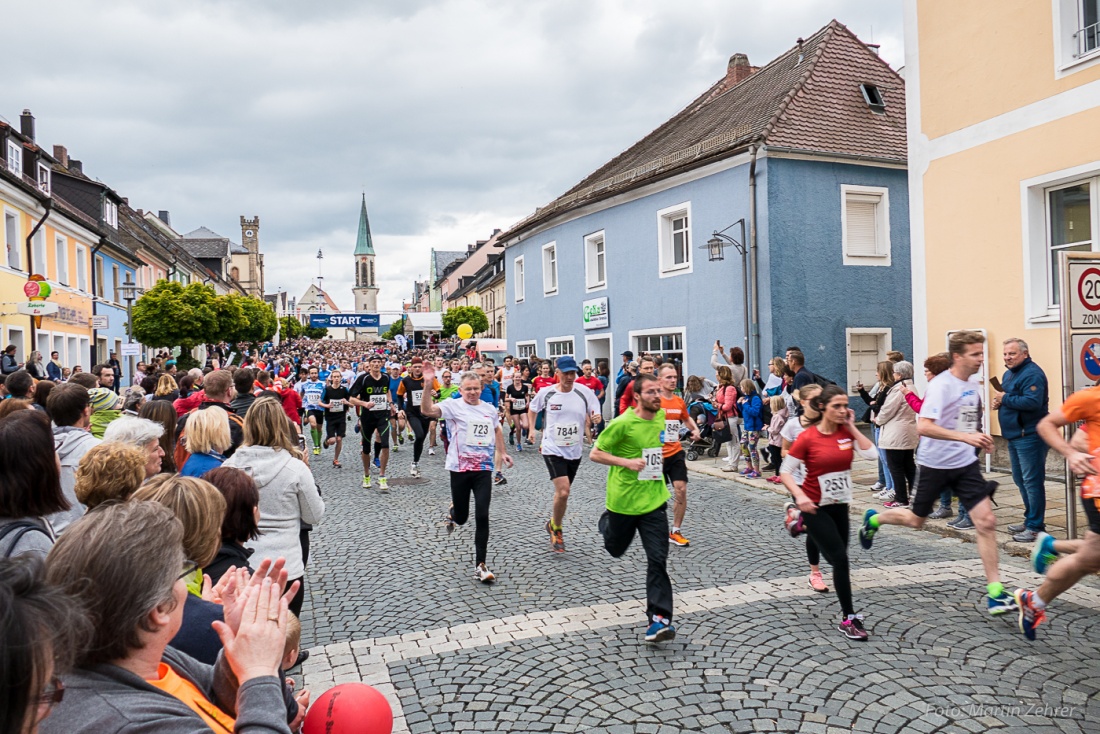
(824, 451)
(543, 380)
(675, 466)
(588, 379)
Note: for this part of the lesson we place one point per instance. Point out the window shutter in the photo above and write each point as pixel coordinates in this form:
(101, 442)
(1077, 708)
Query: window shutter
(862, 225)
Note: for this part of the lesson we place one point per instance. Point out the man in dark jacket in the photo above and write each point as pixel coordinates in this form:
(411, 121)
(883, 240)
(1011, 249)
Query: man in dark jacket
(7, 361)
(1020, 408)
(243, 381)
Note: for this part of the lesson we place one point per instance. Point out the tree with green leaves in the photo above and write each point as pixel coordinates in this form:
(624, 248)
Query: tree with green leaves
(259, 320)
(472, 315)
(290, 327)
(170, 314)
(397, 327)
(315, 332)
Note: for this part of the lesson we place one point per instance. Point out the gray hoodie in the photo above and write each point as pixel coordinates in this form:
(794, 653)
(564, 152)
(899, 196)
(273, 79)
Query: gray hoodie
(288, 497)
(106, 698)
(71, 443)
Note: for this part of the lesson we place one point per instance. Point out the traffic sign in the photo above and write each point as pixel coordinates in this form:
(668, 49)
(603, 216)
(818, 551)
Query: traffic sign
(131, 350)
(1084, 294)
(101, 322)
(1086, 362)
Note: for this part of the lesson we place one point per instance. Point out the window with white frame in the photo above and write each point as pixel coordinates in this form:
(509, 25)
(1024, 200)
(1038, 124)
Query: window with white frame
(525, 349)
(85, 352)
(518, 284)
(61, 254)
(669, 346)
(81, 268)
(59, 347)
(865, 225)
(1076, 34)
(595, 262)
(550, 269)
(72, 355)
(99, 288)
(15, 336)
(110, 213)
(38, 248)
(114, 284)
(15, 157)
(674, 239)
(1069, 228)
(866, 348)
(44, 177)
(11, 238)
(560, 347)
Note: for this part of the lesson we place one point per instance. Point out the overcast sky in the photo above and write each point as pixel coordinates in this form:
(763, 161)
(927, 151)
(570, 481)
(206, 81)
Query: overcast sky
(455, 117)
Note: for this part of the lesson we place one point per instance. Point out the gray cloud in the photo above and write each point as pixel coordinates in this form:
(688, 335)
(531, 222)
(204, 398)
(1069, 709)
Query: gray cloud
(455, 117)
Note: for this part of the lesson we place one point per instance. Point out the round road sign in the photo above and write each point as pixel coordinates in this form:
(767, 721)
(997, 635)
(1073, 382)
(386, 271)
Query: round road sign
(1088, 288)
(1090, 359)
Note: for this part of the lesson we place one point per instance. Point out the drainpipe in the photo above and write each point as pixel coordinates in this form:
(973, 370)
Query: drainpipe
(30, 259)
(752, 258)
(95, 299)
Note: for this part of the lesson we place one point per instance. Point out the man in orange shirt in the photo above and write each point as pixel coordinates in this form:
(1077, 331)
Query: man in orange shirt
(676, 415)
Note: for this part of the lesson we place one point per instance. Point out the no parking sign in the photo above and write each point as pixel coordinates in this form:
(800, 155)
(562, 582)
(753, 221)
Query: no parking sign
(1080, 320)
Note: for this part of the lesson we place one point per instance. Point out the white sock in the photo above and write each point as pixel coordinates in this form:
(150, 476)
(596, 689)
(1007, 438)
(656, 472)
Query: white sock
(675, 530)
(1037, 601)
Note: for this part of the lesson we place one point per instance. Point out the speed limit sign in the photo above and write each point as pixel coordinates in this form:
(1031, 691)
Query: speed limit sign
(1084, 294)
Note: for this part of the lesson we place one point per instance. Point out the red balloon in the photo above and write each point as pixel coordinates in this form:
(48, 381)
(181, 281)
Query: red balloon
(349, 708)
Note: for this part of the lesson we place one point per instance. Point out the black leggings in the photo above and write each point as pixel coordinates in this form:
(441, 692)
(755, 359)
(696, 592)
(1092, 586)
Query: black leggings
(828, 529)
(419, 428)
(903, 470)
(480, 483)
(812, 553)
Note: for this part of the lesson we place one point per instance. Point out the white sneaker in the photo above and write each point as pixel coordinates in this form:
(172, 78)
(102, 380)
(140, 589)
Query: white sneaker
(877, 486)
(431, 451)
(484, 575)
(415, 470)
(366, 482)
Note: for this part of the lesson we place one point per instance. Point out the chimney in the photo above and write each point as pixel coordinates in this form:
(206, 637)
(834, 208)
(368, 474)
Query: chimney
(61, 154)
(163, 216)
(738, 69)
(75, 166)
(874, 48)
(26, 125)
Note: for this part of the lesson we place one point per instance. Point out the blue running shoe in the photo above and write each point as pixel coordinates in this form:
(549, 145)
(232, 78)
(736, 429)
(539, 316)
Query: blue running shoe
(377, 463)
(1001, 604)
(866, 532)
(1030, 615)
(660, 632)
(1043, 553)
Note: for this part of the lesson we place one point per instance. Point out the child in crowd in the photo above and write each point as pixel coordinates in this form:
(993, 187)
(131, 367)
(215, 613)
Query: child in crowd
(778, 404)
(290, 659)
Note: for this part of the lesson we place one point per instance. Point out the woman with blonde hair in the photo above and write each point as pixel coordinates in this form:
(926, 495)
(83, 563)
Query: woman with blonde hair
(875, 399)
(725, 400)
(288, 493)
(207, 437)
(109, 471)
(167, 389)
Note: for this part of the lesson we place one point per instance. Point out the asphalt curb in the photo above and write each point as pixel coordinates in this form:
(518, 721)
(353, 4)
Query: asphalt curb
(856, 510)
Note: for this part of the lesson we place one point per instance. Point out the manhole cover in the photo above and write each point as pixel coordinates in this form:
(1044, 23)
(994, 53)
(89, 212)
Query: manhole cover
(407, 481)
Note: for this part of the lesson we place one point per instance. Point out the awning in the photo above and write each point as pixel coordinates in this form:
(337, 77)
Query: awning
(426, 320)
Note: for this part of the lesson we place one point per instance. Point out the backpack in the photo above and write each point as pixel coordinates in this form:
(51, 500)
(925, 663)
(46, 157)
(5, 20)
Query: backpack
(20, 528)
(823, 381)
(180, 455)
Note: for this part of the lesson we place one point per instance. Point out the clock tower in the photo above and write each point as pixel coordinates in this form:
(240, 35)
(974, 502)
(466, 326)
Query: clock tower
(366, 288)
(253, 282)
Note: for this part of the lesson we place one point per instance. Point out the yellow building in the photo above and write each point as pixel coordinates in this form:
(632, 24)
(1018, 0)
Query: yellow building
(1003, 104)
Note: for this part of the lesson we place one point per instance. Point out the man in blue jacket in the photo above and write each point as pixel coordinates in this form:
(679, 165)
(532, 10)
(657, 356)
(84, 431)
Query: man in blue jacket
(1020, 407)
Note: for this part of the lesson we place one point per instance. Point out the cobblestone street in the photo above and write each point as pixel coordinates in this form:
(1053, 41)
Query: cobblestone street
(555, 644)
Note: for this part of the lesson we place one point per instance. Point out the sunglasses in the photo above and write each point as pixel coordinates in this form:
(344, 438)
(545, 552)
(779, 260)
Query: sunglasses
(189, 567)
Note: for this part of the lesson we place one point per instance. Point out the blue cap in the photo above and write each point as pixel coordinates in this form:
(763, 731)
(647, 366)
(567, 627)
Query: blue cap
(568, 364)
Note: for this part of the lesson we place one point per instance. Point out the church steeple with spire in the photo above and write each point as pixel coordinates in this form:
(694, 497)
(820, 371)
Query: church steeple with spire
(366, 288)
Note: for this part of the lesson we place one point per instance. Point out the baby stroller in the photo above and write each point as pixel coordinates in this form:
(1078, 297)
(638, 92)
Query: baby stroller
(704, 414)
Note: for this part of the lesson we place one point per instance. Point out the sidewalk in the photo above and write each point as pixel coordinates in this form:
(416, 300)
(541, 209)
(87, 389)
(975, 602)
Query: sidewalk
(1009, 509)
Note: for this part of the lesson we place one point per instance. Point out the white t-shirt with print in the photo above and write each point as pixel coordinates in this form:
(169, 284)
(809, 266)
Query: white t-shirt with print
(792, 429)
(472, 430)
(956, 405)
(566, 413)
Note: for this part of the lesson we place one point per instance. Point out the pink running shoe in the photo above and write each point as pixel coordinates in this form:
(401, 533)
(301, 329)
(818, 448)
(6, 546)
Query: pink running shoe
(793, 521)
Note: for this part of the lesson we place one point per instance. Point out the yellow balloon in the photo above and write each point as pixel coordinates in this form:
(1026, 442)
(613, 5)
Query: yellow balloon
(464, 331)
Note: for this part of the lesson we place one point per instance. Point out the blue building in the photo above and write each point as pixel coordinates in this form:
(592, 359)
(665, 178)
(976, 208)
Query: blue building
(808, 155)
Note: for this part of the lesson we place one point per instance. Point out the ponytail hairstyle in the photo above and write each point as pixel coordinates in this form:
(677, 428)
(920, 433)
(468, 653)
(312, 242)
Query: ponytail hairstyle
(819, 401)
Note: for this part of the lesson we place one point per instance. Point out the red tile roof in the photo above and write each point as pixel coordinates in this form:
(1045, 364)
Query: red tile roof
(807, 99)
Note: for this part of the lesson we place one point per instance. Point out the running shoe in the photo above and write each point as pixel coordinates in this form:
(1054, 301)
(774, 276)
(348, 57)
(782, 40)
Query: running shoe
(499, 479)
(677, 538)
(383, 485)
(603, 522)
(557, 543)
(894, 503)
(484, 575)
(1001, 604)
(377, 463)
(1014, 529)
(431, 451)
(410, 435)
(660, 632)
(512, 438)
(519, 447)
(394, 447)
(793, 520)
(1030, 615)
(745, 472)
(449, 523)
(866, 532)
(817, 583)
(400, 440)
(775, 479)
(877, 486)
(316, 450)
(853, 629)
(1043, 554)
(366, 481)
(941, 513)
(414, 470)
(752, 475)
(886, 495)
(962, 523)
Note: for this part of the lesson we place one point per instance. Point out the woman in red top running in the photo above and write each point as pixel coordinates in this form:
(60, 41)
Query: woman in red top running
(824, 452)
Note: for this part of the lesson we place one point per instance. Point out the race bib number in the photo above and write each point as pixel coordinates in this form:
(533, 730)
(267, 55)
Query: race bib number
(567, 434)
(336, 404)
(479, 433)
(836, 488)
(968, 419)
(378, 402)
(654, 465)
(672, 432)
(519, 403)
(416, 397)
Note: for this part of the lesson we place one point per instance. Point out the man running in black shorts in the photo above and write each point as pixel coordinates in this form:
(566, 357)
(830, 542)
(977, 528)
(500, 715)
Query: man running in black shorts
(371, 394)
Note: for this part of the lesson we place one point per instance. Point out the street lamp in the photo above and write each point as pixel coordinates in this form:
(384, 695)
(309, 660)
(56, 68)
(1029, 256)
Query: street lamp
(715, 245)
(129, 294)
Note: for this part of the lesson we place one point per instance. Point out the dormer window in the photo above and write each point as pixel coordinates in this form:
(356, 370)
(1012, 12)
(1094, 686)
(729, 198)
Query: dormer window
(15, 157)
(110, 213)
(873, 97)
(44, 178)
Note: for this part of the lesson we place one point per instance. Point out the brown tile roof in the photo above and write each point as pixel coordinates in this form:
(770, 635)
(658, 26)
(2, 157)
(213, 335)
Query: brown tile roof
(807, 99)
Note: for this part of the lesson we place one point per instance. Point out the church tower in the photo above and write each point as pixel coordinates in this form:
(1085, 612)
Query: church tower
(250, 238)
(366, 288)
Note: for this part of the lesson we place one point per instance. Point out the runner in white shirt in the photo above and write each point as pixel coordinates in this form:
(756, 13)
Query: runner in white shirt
(473, 427)
(949, 423)
(569, 408)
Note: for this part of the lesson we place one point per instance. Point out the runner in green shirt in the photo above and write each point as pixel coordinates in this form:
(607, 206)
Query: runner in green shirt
(637, 497)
